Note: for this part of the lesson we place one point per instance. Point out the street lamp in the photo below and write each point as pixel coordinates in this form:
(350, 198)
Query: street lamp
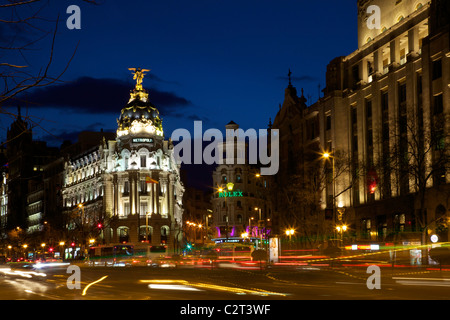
(25, 246)
(290, 233)
(341, 229)
(207, 222)
(250, 225)
(260, 224)
(230, 186)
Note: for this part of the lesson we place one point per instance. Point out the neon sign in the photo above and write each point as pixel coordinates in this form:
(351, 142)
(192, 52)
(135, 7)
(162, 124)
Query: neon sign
(231, 194)
(139, 140)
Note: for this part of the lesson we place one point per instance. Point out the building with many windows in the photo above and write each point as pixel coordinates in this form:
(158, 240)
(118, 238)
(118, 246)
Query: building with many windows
(129, 186)
(384, 125)
(240, 201)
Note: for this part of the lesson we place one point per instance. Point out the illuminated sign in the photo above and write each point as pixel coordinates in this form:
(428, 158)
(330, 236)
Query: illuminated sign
(231, 194)
(273, 249)
(142, 140)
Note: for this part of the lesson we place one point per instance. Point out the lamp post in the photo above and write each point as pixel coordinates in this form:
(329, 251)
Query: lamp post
(229, 187)
(207, 216)
(260, 224)
(341, 229)
(326, 156)
(290, 233)
(25, 246)
(62, 249)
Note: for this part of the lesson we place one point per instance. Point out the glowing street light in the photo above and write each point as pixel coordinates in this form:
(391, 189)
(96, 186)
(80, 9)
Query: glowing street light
(290, 232)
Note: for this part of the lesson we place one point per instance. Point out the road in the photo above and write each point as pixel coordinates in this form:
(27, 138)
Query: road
(276, 284)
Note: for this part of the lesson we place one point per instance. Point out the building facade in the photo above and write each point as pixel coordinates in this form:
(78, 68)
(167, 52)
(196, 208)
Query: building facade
(197, 216)
(240, 202)
(384, 119)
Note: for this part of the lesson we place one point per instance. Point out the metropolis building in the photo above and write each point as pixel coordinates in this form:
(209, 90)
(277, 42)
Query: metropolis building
(386, 108)
(129, 186)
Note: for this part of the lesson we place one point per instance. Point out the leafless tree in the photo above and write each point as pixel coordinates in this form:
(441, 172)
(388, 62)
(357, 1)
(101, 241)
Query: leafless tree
(26, 27)
(302, 196)
(418, 159)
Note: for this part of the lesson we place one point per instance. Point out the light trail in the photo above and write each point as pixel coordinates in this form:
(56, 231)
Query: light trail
(92, 283)
(184, 283)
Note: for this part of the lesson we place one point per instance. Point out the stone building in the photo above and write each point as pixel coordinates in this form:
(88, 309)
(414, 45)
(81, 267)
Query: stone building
(240, 201)
(386, 110)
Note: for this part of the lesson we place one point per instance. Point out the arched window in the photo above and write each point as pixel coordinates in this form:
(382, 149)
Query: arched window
(123, 234)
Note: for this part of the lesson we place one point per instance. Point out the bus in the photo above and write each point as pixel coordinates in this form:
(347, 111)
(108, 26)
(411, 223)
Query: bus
(148, 255)
(114, 255)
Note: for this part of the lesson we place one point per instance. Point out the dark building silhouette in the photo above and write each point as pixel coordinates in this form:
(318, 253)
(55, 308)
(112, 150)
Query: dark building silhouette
(26, 161)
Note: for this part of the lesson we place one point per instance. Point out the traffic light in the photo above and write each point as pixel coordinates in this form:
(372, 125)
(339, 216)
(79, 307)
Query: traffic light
(99, 225)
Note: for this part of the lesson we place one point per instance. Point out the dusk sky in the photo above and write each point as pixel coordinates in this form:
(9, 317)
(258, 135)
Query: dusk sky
(210, 60)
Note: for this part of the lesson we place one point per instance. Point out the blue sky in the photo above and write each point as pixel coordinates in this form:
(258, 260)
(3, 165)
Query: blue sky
(210, 60)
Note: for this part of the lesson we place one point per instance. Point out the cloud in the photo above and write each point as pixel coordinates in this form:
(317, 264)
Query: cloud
(95, 95)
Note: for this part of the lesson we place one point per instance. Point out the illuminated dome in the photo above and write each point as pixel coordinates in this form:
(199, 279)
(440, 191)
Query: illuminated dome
(139, 115)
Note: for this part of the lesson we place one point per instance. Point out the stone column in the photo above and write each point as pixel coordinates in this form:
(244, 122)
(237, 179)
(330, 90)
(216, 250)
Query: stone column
(413, 41)
(378, 61)
(395, 52)
(363, 71)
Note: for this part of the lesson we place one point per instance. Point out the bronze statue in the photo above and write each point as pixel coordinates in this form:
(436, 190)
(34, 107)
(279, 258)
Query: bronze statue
(138, 76)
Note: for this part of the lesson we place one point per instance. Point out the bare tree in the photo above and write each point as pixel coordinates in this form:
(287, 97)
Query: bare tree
(302, 196)
(417, 160)
(26, 28)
